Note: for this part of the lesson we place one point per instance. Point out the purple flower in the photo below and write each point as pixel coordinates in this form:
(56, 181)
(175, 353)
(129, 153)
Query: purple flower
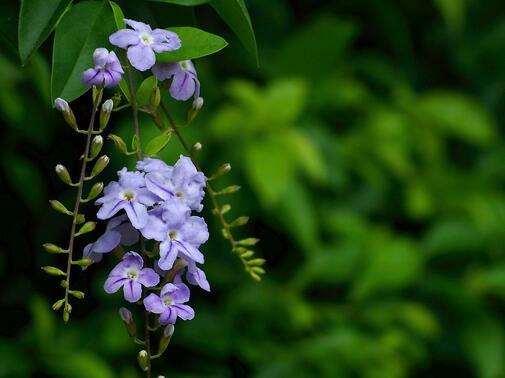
(194, 275)
(185, 81)
(118, 231)
(131, 275)
(179, 233)
(169, 304)
(107, 71)
(142, 42)
(130, 194)
(182, 181)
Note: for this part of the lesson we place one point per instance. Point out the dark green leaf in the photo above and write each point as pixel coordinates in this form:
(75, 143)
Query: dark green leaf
(84, 28)
(196, 43)
(37, 19)
(118, 15)
(145, 90)
(235, 14)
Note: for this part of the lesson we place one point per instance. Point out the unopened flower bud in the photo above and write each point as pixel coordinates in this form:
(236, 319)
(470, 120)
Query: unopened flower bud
(143, 359)
(196, 147)
(155, 99)
(63, 174)
(116, 99)
(62, 106)
(105, 112)
(53, 248)
(100, 165)
(77, 294)
(165, 338)
(95, 190)
(59, 207)
(127, 318)
(57, 305)
(83, 262)
(195, 108)
(222, 170)
(97, 94)
(53, 271)
(96, 146)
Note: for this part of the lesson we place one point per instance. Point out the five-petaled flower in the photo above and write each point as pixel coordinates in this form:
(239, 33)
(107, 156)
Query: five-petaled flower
(185, 81)
(106, 72)
(130, 194)
(143, 42)
(169, 304)
(131, 275)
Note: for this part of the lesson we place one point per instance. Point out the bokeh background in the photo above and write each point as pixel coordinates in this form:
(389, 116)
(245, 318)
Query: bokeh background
(370, 148)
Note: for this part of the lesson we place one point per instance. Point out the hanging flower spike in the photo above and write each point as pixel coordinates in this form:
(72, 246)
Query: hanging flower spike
(179, 233)
(107, 71)
(130, 194)
(118, 231)
(182, 181)
(131, 275)
(143, 42)
(169, 304)
(185, 81)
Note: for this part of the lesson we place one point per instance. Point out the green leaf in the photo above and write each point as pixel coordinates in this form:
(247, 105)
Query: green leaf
(84, 28)
(37, 19)
(196, 43)
(187, 3)
(118, 15)
(145, 90)
(235, 14)
(157, 144)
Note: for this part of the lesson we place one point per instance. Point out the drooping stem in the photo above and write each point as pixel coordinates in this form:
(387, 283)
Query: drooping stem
(78, 199)
(133, 100)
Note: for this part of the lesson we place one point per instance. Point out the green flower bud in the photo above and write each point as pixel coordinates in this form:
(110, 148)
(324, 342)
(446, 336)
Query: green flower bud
(222, 170)
(100, 165)
(85, 228)
(63, 174)
(83, 262)
(155, 99)
(248, 241)
(195, 108)
(143, 359)
(53, 248)
(229, 190)
(240, 221)
(63, 106)
(97, 94)
(127, 318)
(77, 294)
(165, 338)
(119, 143)
(96, 189)
(53, 271)
(96, 146)
(256, 262)
(59, 207)
(105, 112)
(57, 305)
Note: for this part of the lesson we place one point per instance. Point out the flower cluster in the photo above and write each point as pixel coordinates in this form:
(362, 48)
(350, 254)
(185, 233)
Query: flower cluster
(155, 202)
(142, 43)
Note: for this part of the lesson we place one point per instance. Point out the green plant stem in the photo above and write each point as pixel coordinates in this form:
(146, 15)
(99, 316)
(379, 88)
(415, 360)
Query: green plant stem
(133, 100)
(216, 208)
(78, 203)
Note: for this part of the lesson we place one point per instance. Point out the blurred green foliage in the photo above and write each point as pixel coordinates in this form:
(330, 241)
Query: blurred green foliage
(371, 155)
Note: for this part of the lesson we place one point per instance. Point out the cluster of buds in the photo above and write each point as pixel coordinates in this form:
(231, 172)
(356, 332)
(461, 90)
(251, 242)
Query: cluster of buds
(79, 225)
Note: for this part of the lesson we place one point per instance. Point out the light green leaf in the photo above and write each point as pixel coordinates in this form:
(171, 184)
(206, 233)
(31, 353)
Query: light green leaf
(84, 28)
(187, 3)
(453, 13)
(37, 19)
(145, 90)
(196, 43)
(157, 144)
(235, 14)
(118, 15)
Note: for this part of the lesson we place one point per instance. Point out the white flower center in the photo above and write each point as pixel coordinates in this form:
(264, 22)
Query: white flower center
(172, 235)
(146, 38)
(132, 274)
(128, 195)
(168, 300)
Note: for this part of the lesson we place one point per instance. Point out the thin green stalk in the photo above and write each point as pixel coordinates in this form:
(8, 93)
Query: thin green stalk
(78, 199)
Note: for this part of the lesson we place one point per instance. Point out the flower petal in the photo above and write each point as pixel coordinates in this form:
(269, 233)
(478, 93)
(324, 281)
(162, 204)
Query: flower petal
(168, 254)
(154, 304)
(132, 291)
(138, 26)
(124, 38)
(169, 316)
(137, 213)
(113, 283)
(148, 277)
(164, 71)
(183, 86)
(110, 208)
(184, 311)
(141, 57)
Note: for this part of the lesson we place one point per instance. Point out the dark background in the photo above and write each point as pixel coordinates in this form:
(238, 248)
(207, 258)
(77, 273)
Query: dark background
(369, 146)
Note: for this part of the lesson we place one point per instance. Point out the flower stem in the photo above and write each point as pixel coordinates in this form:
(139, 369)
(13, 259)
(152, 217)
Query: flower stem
(133, 100)
(67, 308)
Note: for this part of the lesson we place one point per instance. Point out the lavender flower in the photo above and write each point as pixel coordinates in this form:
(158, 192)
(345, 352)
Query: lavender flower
(179, 233)
(107, 71)
(131, 275)
(143, 42)
(194, 275)
(182, 181)
(169, 304)
(118, 231)
(185, 81)
(130, 194)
